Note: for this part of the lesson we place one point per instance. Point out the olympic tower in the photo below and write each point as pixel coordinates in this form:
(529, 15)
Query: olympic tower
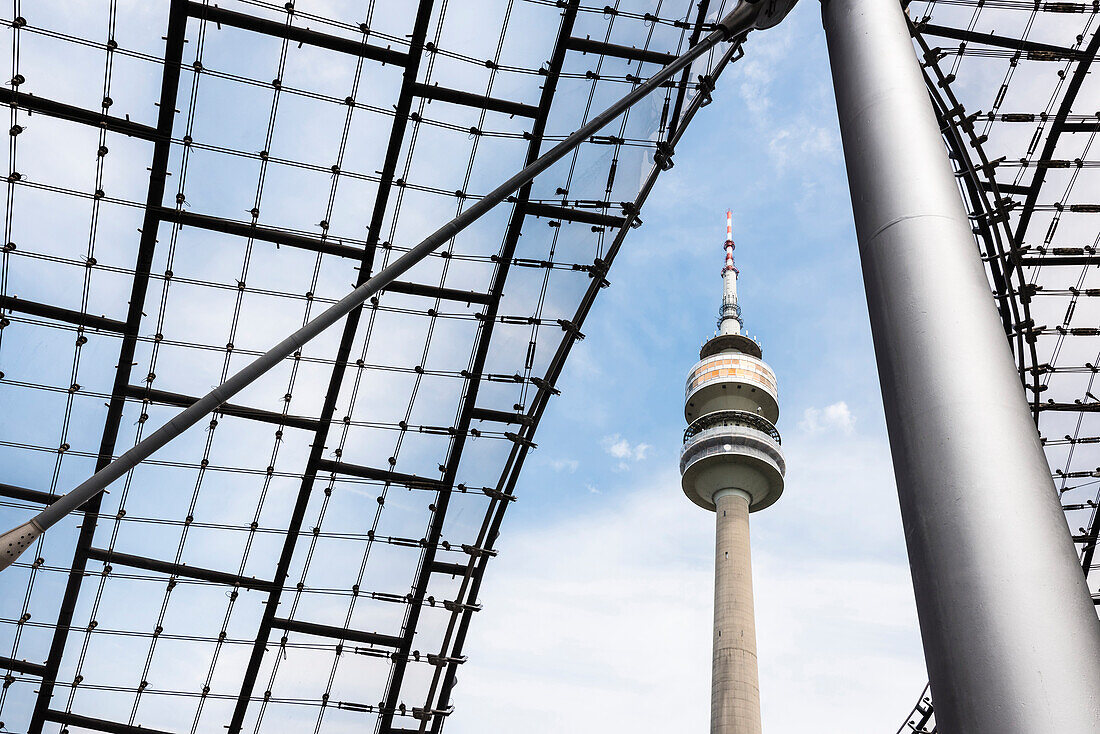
(732, 464)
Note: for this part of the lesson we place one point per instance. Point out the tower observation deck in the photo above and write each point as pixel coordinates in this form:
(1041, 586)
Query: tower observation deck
(731, 463)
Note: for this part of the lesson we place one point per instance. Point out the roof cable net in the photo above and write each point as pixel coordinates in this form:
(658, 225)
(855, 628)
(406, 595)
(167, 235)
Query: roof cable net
(189, 182)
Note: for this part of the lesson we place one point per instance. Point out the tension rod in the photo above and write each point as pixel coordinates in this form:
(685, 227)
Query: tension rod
(747, 16)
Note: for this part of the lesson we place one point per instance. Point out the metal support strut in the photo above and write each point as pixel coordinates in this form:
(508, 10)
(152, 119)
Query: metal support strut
(744, 17)
(1010, 634)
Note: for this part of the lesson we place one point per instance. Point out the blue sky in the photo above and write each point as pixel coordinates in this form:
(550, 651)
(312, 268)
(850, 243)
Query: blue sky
(597, 613)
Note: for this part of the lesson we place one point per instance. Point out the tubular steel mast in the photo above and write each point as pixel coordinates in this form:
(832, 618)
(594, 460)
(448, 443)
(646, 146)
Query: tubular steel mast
(1011, 89)
(961, 435)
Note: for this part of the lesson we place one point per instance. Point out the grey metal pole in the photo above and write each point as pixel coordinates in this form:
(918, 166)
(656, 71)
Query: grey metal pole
(746, 16)
(1010, 634)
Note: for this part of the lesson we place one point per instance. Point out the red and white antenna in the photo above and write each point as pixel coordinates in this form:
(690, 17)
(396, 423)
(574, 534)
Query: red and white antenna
(729, 317)
(729, 245)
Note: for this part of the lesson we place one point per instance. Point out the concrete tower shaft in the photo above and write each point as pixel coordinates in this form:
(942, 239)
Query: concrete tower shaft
(731, 462)
(734, 686)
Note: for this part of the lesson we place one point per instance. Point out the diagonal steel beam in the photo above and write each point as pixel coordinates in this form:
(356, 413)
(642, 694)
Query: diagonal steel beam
(72, 113)
(335, 633)
(744, 18)
(991, 39)
(1081, 127)
(273, 28)
(45, 310)
(583, 216)
(256, 232)
(164, 397)
(26, 495)
(477, 101)
(630, 53)
(111, 557)
(1056, 260)
(22, 666)
(95, 724)
(378, 475)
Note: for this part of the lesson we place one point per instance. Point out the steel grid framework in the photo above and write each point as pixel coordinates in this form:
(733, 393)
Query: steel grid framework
(1010, 84)
(365, 433)
(988, 67)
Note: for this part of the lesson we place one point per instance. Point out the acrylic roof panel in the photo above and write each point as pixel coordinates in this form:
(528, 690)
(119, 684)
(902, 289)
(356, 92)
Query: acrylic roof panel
(190, 182)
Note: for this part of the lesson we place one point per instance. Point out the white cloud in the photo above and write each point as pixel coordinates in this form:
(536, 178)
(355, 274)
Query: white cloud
(620, 448)
(566, 465)
(758, 73)
(624, 451)
(804, 140)
(598, 621)
(755, 90)
(835, 417)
